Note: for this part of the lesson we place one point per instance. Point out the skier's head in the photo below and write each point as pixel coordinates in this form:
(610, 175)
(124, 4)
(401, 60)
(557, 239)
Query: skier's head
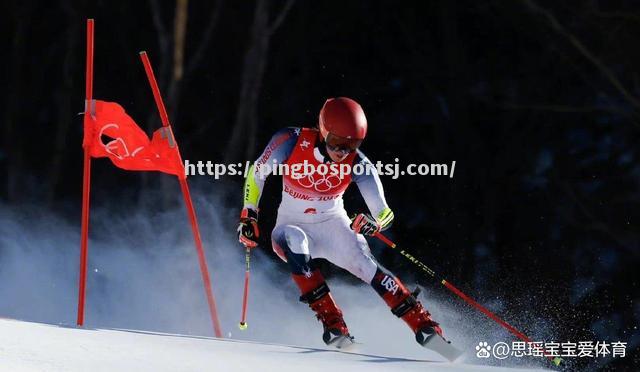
(343, 126)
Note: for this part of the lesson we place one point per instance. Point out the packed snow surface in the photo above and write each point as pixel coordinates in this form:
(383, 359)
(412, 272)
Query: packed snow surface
(27, 346)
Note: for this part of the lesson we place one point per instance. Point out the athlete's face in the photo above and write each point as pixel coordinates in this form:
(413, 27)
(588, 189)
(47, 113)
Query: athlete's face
(339, 148)
(337, 156)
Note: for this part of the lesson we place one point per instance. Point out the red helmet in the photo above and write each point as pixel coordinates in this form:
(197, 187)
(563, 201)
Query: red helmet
(343, 117)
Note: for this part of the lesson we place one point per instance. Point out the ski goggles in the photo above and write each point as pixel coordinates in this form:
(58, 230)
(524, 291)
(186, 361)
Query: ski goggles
(341, 144)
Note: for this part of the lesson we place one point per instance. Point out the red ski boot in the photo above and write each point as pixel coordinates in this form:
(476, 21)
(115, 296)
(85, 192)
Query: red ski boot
(405, 305)
(315, 293)
(428, 332)
(331, 317)
(417, 318)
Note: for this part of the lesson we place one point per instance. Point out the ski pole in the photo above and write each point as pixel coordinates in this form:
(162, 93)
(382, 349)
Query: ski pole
(555, 360)
(243, 321)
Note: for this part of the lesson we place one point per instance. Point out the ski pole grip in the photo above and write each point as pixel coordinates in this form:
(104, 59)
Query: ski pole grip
(385, 240)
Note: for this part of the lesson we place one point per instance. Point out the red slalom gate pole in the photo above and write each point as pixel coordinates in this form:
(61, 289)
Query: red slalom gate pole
(202, 260)
(245, 297)
(555, 360)
(86, 177)
(184, 186)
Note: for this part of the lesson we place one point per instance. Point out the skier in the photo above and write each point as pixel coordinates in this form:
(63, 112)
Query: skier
(312, 222)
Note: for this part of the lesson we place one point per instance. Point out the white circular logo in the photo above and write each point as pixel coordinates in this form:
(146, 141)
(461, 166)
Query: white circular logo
(320, 182)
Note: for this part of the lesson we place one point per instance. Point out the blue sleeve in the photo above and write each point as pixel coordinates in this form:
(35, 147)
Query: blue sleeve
(280, 147)
(277, 152)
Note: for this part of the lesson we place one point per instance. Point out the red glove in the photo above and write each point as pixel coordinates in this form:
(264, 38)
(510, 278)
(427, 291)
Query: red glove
(248, 231)
(365, 224)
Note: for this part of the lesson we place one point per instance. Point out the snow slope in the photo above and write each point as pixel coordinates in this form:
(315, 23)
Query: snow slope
(26, 346)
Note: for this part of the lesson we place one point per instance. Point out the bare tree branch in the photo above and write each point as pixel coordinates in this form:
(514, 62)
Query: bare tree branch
(205, 39)
(161, 31)
(179, 33)
(281, 17)
(627, 242)
(177, 70)
(573, 40)
(242, 139)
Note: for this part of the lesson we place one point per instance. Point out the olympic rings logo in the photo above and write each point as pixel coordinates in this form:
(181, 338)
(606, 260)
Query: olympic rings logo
(320, 182)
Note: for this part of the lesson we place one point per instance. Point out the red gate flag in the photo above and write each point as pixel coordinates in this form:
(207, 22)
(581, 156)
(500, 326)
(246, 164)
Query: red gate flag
(109, 132)
(115, 135)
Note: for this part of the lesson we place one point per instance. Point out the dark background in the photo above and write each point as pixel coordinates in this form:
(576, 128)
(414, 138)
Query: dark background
(537, 101)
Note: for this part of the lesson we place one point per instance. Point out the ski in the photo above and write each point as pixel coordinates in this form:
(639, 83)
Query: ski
(437, 343)
(343, 342)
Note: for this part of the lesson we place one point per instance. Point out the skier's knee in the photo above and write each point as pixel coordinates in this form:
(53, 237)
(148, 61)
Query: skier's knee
(363, 267)
(291, 245)
(289, 238)
(358, 261)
